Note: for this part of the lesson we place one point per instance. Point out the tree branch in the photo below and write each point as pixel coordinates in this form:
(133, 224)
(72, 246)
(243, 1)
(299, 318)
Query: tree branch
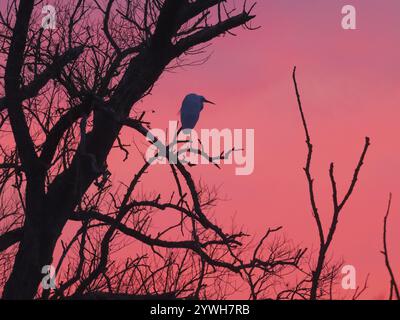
(393, 282)
(208, 33)
(10, 238)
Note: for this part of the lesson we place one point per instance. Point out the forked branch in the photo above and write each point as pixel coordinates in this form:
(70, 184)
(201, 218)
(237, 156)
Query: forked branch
(325, 240)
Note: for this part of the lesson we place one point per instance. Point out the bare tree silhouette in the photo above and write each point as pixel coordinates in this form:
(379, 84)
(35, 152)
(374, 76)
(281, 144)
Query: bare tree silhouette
(394, 289)
(68, 93)
(325, 239)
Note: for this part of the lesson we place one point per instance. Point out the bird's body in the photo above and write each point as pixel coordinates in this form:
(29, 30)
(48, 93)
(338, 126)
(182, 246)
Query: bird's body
(190, 111)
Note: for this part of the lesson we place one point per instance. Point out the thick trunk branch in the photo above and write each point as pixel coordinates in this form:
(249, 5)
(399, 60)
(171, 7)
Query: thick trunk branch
(10, 238)
(208, 33)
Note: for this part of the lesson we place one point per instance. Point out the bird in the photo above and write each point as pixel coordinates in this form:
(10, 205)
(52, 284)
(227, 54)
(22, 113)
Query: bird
(192, 105)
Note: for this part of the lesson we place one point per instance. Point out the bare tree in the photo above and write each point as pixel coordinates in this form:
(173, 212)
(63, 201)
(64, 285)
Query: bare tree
(325, 239)
(65, 97)
(394, 289)
(68, 93)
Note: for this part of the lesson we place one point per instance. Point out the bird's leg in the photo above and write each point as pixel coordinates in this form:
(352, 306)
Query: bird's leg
(177, 135)
(179, 131)
(201, 145)
(193, 140)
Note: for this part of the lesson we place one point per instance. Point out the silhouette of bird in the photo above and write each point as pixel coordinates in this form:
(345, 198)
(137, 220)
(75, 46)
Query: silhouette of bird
(190, 110)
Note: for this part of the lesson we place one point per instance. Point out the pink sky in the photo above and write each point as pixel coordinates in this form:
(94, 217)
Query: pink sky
(349, 83)
(349, 80)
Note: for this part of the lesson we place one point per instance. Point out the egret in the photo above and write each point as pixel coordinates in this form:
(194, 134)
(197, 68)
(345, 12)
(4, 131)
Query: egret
(190, 110)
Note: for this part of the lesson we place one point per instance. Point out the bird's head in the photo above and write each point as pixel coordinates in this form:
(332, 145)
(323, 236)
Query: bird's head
(196, 100)
(204, 100)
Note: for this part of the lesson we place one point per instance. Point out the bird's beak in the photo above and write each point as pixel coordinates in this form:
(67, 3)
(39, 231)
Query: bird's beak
(208, 101)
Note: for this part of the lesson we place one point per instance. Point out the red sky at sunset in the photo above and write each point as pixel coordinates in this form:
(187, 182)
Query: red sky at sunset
(349, 81)
(350, 89)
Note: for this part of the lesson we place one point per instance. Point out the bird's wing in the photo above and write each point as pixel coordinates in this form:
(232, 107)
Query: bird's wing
(189, 119)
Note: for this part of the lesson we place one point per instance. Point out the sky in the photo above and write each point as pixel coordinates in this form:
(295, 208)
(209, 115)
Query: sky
(349, 81)
(350, 89)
